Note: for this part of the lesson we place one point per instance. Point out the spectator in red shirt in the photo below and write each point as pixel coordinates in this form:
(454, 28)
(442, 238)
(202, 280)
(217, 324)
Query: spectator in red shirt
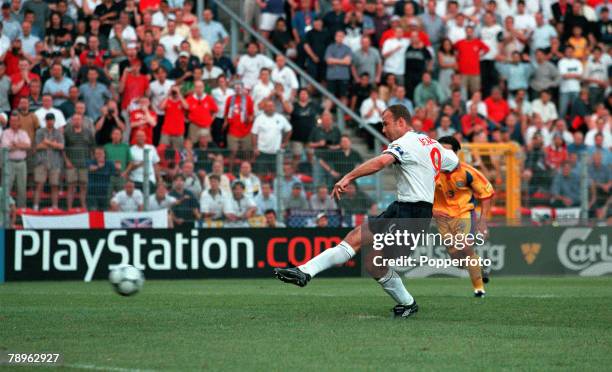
(469, 52)
(13, 56)
(173, 128)
(201, 111)
(93, 47)
(556, 153)
(239, 115)
(21, 80)
(143, 118)
(472, 123)
(133, 85)
(497, 107)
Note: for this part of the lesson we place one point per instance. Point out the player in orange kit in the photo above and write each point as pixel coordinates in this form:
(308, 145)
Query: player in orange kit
(454, 209)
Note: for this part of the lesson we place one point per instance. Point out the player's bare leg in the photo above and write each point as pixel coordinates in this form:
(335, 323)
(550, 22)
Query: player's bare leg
(386, 277)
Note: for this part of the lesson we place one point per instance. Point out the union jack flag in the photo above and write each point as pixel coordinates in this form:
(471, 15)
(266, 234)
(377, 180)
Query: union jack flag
(135, 223)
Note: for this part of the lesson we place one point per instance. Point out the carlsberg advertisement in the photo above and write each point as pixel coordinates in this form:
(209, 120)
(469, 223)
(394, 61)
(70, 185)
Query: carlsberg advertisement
(544, 250)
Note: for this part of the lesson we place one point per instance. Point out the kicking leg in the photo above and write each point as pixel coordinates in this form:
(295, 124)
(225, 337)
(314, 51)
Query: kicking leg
(337, 255)
(389, 280)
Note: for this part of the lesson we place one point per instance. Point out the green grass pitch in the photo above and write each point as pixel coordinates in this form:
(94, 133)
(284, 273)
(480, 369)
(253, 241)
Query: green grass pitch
(550, 323)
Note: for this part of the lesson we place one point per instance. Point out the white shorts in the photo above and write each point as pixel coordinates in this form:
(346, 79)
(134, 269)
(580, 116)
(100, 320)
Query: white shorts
(268, 21)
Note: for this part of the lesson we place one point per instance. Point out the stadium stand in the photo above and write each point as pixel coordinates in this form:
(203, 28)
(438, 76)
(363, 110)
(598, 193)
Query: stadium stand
(142, 105)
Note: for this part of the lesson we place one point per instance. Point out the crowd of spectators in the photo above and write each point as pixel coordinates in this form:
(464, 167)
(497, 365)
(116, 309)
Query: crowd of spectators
(90, 88)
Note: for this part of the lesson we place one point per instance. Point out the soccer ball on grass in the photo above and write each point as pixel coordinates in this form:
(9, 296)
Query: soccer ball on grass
(126, 280)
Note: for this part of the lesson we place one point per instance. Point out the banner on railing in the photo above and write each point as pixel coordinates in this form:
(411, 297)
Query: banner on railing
(98, 220)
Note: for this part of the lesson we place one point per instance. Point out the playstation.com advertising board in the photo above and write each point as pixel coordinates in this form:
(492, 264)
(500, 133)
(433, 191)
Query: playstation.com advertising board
(251, 253)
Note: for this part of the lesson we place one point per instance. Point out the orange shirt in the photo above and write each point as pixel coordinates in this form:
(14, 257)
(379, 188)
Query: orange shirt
(457, 191)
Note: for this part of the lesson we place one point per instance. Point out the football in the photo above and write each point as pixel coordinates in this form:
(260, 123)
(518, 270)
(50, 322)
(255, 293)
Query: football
(126, 280)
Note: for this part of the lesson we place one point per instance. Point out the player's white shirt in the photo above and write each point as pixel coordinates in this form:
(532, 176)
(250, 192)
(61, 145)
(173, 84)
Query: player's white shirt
(414, 169)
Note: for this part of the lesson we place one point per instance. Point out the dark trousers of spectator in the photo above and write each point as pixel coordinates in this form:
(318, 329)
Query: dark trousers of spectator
(96, 202)
(411, 80)
(560, 204)
(157, 130)
(140, 186)
(265, 163)
(596, 96)
(315, 70)
(219, 136)
(489, 77)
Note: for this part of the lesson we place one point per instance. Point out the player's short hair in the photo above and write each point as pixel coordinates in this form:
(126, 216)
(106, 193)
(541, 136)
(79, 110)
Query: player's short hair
(268, 211)
(214, 177)
(450, 140)
(399, 112)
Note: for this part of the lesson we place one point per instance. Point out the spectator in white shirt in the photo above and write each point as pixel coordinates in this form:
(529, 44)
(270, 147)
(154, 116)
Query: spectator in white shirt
(217, 170)
(212, 199)
(271, 132)
(160, 88)
(596, 75)
(135, 168)
(524, 21)
(560, 129)
(284, 75)
(393, 51)
(544, 107)
(238, 208)
(250, 64)
(171, 41)
(251, 182)
(571, 72)
(129, 199)
(538, 126)
(161, 199)
(601, 126)
(371, 111)
(47, 107)
(263, 90)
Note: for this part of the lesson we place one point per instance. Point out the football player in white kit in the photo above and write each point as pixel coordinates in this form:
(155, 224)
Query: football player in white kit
(416, 160)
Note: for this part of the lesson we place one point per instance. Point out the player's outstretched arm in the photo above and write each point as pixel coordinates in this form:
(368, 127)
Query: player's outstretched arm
(369, 167)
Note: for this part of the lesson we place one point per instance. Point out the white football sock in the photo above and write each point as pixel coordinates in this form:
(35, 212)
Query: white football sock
(392, 284)
(328, 258)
